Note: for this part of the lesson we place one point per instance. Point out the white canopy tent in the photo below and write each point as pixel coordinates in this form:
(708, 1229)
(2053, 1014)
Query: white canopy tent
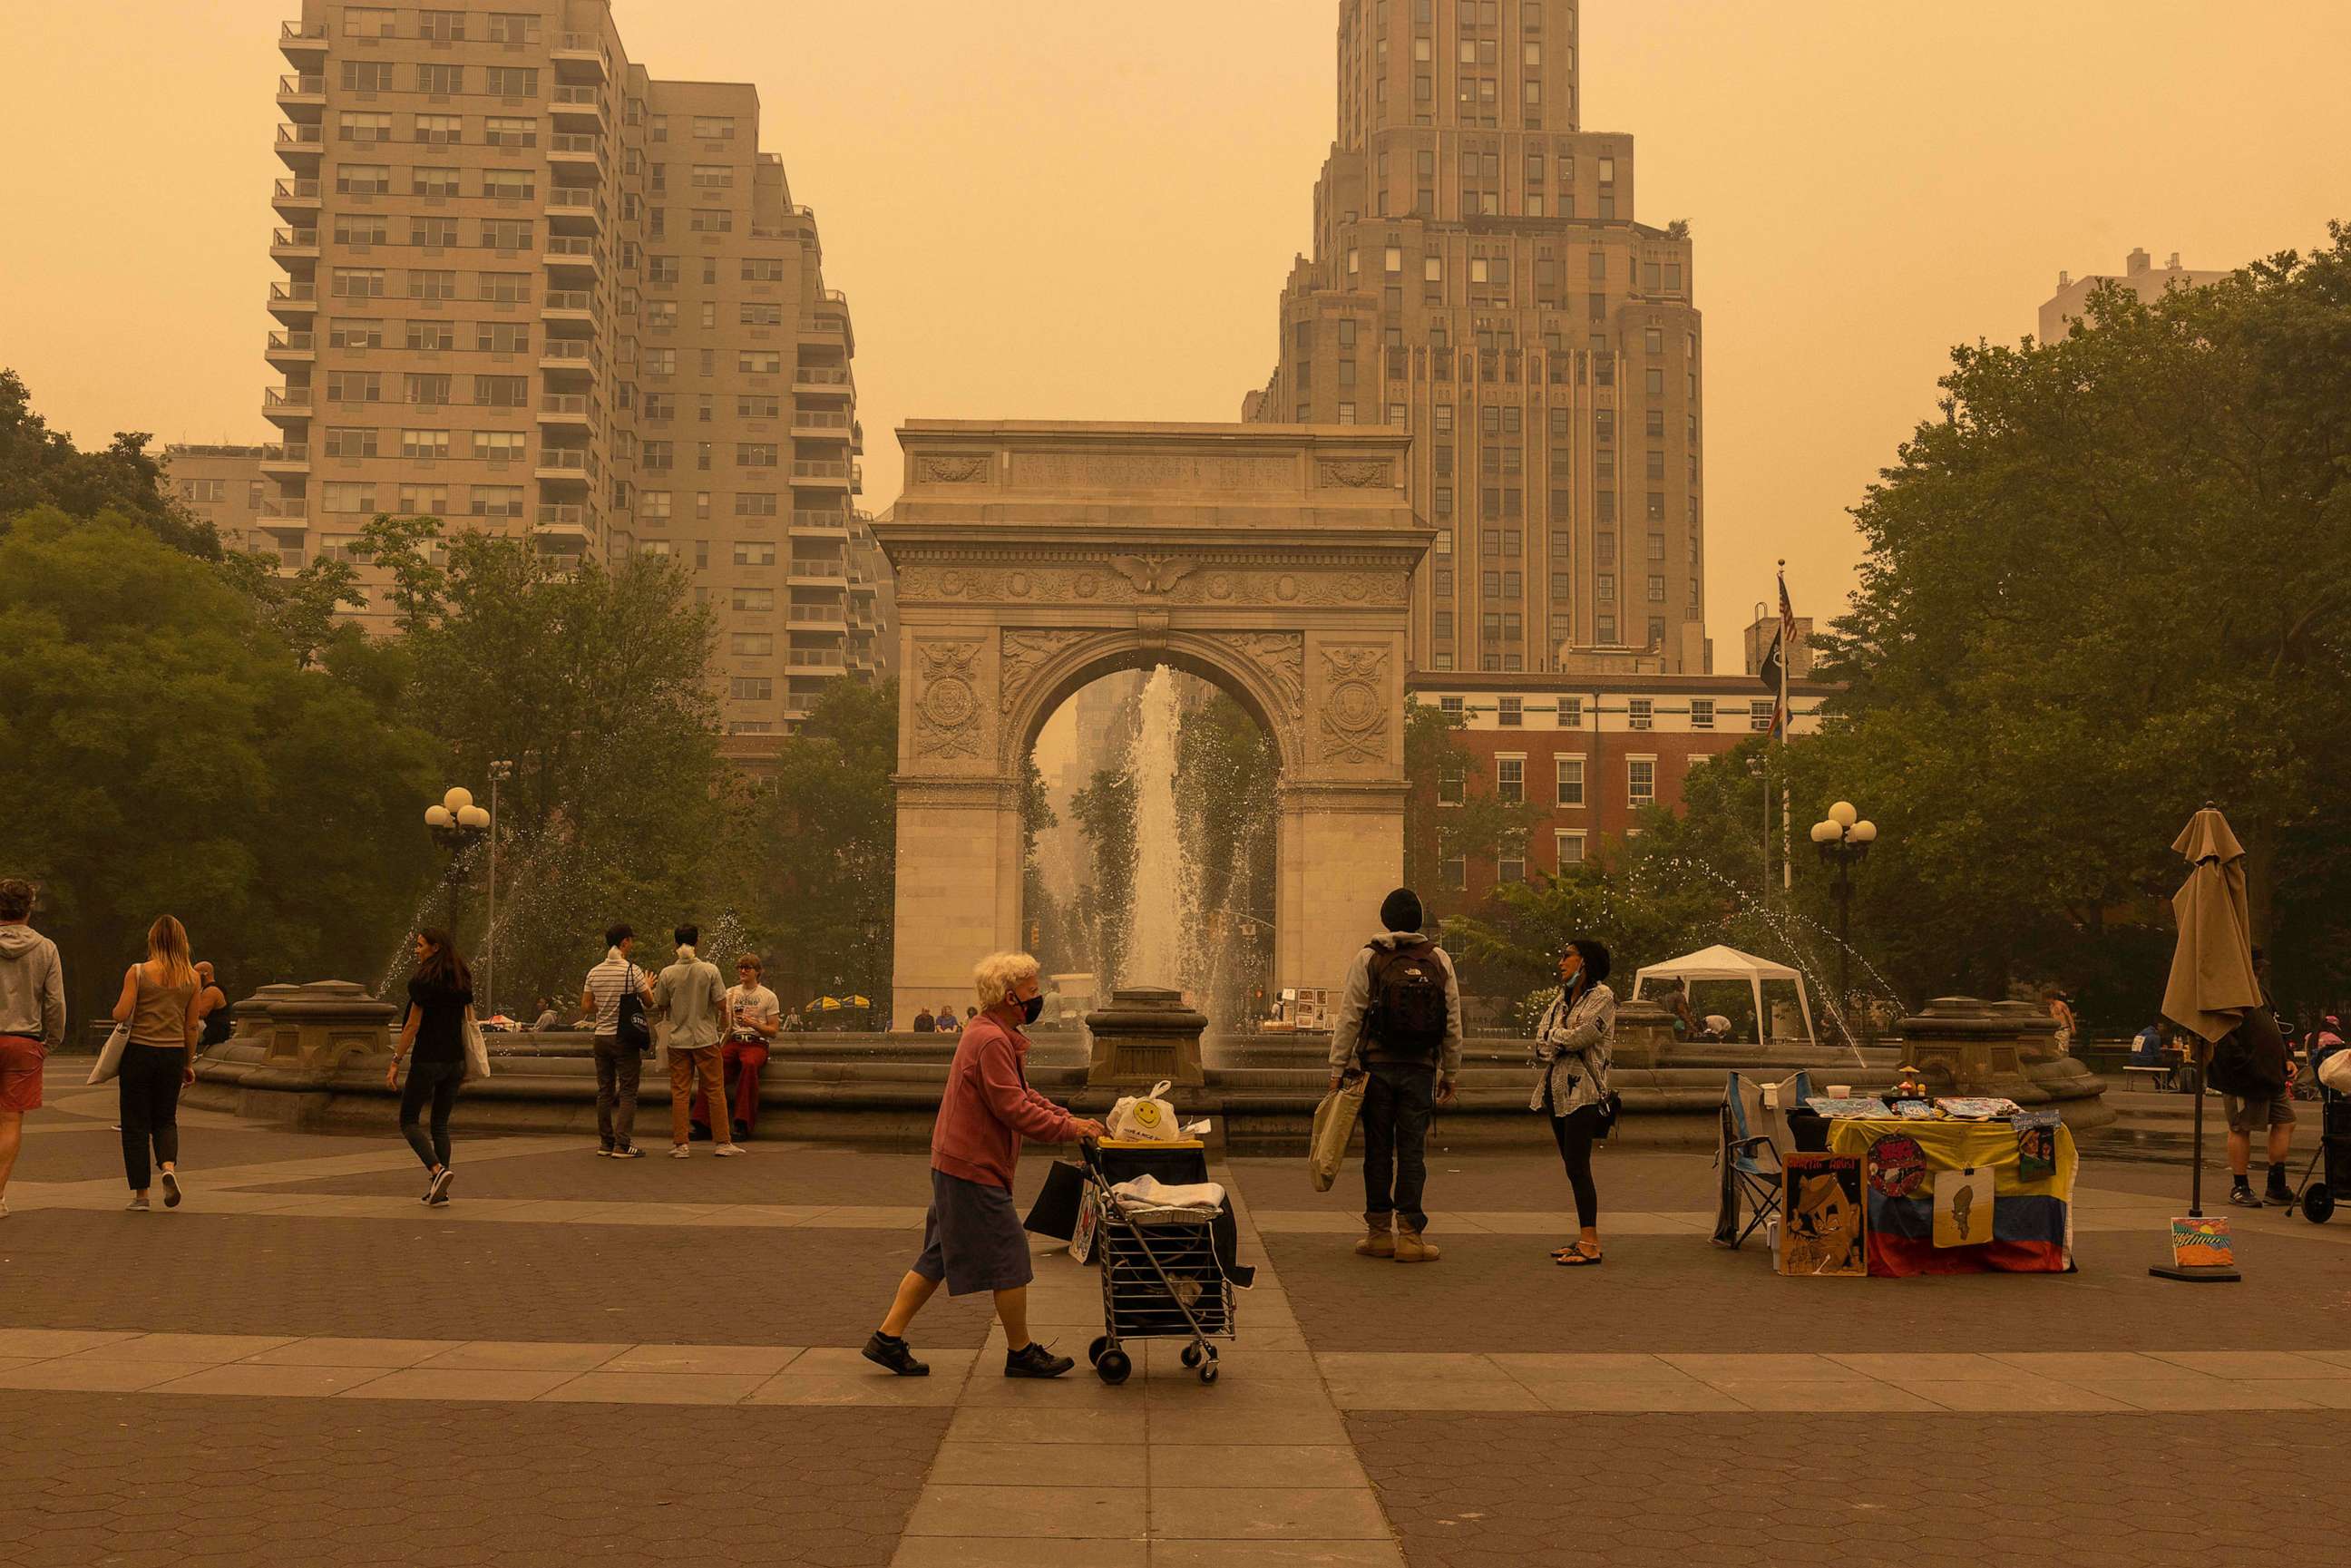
(1721, 963)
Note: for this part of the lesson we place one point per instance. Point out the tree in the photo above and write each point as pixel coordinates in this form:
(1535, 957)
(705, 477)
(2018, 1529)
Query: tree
(299, 609)
(42, 467)
(1451, 810)
(169, 755)
(823, 840)
(403, 547)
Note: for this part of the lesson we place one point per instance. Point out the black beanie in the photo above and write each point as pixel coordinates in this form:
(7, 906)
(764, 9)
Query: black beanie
(1400, 910)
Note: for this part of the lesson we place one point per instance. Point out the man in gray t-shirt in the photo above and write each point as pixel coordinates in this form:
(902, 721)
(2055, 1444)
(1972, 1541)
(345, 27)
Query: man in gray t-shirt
(693, 1000)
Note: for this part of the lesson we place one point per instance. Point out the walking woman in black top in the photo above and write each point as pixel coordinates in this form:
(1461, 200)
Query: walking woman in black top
(440, 1002)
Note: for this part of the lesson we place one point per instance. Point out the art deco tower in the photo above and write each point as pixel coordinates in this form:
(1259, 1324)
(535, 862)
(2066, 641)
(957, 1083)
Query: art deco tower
(1479, 277)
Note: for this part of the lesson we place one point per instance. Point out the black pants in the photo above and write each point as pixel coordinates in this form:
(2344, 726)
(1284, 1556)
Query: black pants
(437, 1081)
(150, 1089)
(618, 1068)
(1576, 1132)
(1399, 1101)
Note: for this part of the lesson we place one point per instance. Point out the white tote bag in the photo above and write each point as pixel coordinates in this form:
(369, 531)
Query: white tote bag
(477, 1052)
(109, 1055)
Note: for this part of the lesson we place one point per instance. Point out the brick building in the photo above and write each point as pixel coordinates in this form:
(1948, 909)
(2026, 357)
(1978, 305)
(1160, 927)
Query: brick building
(1589, 751)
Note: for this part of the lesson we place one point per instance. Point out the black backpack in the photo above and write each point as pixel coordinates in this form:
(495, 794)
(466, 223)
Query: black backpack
(1407, 1014)
(2249, 1060)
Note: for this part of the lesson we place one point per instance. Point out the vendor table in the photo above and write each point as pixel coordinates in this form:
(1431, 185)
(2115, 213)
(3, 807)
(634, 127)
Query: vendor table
(2033, 1221)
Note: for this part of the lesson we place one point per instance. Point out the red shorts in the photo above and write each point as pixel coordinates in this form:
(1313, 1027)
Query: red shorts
(20, 1072)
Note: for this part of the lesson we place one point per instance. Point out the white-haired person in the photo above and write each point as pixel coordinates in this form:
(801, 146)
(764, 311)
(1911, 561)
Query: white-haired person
(972, 1240)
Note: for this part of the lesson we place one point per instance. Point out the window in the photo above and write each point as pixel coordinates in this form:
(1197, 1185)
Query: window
(423, 500)
(1656, 589)
(1701, 713)
(347, 496)
(510, 130)
(505, 288)
(713, 176)
(432, 232)
(364, 128)
(1455, 873)
(661, 406)
(347, 440)
(497, 500)
(203, 489)
(512, 28)
(755, 552)
(424, 444)
(501, 392)
(658, 548)
(436, 78)
(501, 234)
(757, 406)
(354, 386)
(1642, 712)
(1641, 779)
(511, 81)
(368, 21)
(756, 503)
(367, 75)
(498, 445)
(440, 129)
(442, 27)
(762, 269)
(1567, 781)
(713, 127)
(755, 454)
(751, 644)
(1604, 630)
(1570, 847)
(758, 361)
(361, 229)
(1452, 778)
(1508, 712)
(1758, 716)
(661, 361)
(502, 336)
(661, 315)
(433, 182)
(425, 389)
(710, 220)
(750, 688)
(507, 184)
(362, 180)
(661, 270)
(748, 599)
(432, 284)
(1604, 587)
(1510, 781)
(754, 313)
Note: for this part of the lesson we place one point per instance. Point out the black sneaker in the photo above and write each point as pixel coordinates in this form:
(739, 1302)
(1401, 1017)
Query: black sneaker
(882, 1350)
(1035, 1361)
(629, 1152)
(438, 1194)
(742, 1132)
(2243, 1196)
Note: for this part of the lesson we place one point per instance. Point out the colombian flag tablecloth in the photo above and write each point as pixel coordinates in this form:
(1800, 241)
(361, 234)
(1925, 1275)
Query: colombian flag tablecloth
(2032, 1230)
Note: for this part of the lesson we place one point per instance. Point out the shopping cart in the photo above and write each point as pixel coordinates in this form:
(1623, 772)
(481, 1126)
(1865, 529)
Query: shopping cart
(2327, 1176)
(1160, 1280)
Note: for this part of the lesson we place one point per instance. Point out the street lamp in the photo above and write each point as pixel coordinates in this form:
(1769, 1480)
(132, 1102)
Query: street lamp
(1844, 839)
(458, 826)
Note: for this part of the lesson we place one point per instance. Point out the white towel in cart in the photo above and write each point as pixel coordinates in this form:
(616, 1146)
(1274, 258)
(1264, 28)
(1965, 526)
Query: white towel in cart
(1150, 1192)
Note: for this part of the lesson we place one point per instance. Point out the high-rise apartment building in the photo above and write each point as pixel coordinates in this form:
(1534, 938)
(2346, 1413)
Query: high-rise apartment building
(531, 287)
(1479, 277)
(2139, 275)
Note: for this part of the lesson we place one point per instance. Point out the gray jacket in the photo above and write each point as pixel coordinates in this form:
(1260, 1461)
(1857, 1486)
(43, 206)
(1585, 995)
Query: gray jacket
(1574, 1048)
(32, 987)
(692, 997)
(1347, 1033)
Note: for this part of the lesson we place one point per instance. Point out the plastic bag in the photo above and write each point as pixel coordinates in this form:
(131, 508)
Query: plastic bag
(1145, 1118)
(1334, 1124)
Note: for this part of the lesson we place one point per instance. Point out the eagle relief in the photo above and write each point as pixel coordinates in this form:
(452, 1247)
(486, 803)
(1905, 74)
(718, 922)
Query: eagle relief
(1152, 574)
(947, 706)
(1355, 703)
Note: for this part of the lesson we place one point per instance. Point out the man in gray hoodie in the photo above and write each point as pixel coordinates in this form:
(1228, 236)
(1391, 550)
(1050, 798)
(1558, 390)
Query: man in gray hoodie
(1401, 1016)
(32, 1018)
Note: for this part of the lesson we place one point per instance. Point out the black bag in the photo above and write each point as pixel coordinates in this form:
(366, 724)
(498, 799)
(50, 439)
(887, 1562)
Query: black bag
(635, 1026)
(2248, 1062)
(1407, 1014)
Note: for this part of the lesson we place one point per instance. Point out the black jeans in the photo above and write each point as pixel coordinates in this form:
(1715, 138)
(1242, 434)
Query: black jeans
(1575, 1132)
(617, 1070)
(437, 1081)
(1399, 1103)
(150, 1099)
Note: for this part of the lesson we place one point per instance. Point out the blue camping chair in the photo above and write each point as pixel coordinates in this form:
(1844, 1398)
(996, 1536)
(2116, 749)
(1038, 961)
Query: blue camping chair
(1748, 1155)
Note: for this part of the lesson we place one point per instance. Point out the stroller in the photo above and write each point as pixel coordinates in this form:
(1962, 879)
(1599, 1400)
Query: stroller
(2329, 1170)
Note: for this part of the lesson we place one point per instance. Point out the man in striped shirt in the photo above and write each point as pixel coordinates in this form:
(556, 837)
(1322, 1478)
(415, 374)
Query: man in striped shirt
(617, 1065)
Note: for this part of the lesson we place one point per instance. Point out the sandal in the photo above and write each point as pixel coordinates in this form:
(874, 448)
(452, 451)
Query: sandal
(1575, 1257)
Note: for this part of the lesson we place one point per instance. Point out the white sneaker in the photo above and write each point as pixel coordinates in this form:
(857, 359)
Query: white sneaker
(680, 1152)
(3, 1208)
(724, 1150)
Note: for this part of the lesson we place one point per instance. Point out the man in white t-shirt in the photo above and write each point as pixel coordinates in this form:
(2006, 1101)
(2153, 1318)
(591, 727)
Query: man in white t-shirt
(617, 1067)
(754, 1018)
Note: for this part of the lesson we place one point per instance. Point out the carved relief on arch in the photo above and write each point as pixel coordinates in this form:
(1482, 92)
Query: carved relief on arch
(1026, 653)
(1355, 703)
(950, 719)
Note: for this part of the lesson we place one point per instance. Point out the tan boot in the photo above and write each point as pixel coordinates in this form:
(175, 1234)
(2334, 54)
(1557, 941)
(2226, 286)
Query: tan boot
(1379, 1241)
(1410, 1248)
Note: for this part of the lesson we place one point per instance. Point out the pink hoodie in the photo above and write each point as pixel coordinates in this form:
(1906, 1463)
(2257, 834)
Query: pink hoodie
(990, 1108)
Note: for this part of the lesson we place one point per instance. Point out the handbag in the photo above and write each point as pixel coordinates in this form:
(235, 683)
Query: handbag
(635, 1024)
(1334, 1124)
(109, 1055)
(477, 1052)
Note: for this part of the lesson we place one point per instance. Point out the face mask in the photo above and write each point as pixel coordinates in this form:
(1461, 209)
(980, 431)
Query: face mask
(1033, 1009)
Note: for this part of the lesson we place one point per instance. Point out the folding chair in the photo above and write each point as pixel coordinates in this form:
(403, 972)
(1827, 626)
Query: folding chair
(1748, 1157)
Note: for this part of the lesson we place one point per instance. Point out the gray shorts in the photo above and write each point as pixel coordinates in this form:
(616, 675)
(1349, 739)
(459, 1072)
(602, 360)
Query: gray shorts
(2250, 1116)
(972, 1238)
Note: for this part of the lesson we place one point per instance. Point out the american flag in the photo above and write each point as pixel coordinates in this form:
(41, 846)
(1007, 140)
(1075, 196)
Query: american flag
(1775, 670)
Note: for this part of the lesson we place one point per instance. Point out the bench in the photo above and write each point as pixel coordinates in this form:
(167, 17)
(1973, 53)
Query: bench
(2160, 1079)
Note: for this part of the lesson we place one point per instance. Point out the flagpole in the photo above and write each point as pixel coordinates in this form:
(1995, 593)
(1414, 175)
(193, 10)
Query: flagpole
(1787, 722)
(1767, 792)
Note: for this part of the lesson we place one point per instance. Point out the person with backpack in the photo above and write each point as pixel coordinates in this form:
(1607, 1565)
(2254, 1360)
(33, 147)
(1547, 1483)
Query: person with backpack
(1575, 1044)
(2250, 1068)
(617, 987)
(1400, 1014)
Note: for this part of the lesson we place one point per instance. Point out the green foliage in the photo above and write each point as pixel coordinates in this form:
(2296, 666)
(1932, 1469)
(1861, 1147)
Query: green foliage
(1450, 808)
(42, 467)
(167, 755)
(403, 547)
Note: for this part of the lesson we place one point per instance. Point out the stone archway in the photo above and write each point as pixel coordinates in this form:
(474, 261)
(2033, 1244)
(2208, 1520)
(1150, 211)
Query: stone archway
(1274, 561)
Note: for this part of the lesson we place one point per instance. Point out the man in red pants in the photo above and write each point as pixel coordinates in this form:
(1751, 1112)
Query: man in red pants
(753, 1018)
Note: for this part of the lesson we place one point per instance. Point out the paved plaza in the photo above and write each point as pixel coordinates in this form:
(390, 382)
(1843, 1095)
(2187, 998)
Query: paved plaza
(584, 1361)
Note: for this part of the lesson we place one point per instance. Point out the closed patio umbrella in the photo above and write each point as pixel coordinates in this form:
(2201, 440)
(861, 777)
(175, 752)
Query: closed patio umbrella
(2211, 982)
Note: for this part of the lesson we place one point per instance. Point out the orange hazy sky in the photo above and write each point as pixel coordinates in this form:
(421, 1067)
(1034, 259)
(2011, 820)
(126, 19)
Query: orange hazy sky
(1086, 208)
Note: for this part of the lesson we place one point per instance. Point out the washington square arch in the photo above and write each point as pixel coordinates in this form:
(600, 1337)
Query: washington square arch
(1272, 561)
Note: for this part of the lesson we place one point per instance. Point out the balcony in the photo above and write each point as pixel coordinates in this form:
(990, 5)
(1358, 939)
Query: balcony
(287, 515)
(578, 149)
(562, 514)
(572, 250)
(289, 457)
(578, 354)
(294, 245)
(571, 204)
(570, 536)
(572, 103)
(818, 618)
(302, 97)
(302, 45)
(565, 465)
(832, 377)
(294, 346)
(813, 659)
(817, 572)
(301, 145)
(293, 300)
(826, 523)
(569, 304)
(299, 195)
(572, 409)
(285, 405)
(833, 423)
(582, 57)
(821, 474)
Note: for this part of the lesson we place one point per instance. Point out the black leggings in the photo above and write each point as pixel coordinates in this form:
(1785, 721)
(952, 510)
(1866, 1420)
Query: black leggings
(437, 1081)
(149, 1095)
(1575, 1132)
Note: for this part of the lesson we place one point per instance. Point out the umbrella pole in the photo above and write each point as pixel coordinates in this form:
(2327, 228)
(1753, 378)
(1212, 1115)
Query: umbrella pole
(2196, 1171)
(2196, 1272)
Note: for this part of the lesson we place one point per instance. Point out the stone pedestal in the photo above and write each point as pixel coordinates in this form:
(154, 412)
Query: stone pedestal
(1145, 1035)
(1645, 1034)
(313, 1028)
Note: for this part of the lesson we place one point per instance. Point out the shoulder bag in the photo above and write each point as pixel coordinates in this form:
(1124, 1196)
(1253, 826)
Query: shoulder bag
(636, 1024)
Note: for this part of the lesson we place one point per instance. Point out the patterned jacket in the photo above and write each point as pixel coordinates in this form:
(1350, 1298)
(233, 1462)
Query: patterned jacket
(1574, 1046)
